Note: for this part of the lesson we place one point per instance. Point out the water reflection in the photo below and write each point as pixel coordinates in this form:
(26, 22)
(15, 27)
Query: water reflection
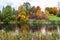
(41, 27)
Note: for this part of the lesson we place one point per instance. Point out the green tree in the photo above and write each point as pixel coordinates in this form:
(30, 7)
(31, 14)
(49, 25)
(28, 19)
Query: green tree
(0, 15)
(7, 13)
(27, 5)
(47, 8)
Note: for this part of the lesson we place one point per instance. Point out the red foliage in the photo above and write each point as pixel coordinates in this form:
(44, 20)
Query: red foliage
(38, 8)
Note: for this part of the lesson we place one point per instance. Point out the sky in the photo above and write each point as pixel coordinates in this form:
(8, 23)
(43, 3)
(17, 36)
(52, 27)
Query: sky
(41, 3)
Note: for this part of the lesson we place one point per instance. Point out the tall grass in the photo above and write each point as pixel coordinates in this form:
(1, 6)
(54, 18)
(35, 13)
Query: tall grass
(25, 35)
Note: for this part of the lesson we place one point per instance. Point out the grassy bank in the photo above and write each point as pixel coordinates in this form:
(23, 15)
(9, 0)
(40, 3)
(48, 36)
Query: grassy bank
(54, 18)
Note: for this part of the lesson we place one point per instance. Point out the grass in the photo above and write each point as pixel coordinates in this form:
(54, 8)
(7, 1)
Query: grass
(51, 17)
(28, 36)
(54, 18)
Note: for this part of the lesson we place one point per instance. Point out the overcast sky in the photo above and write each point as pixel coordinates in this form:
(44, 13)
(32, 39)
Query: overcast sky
(41, 3)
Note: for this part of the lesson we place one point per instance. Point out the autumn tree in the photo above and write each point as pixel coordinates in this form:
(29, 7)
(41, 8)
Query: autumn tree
(52, 10)
(38, 12)
(22, 13)
(22, 16)
(46, 14)
(32, 12)
(55, 10)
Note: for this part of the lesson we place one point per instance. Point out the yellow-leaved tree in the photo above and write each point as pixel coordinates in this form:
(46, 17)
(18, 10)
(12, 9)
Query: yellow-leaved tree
(54, 10)
(22, 13)
(46, 14)
(22, 16)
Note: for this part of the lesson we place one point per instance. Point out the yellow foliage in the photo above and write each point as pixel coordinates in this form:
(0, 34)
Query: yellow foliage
(55, 9)
(24, 17)
(21, 8)
(22, 12)
(39, 13)
(47, 13)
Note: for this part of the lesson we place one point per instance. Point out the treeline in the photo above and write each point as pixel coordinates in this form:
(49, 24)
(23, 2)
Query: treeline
(26, 11)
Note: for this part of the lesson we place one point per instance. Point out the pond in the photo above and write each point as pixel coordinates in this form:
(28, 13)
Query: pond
(34, 25)
(30, 31)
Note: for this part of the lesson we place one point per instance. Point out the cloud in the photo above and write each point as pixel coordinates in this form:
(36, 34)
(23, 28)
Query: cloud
(13, 3)
(41, 3)
(45, 3)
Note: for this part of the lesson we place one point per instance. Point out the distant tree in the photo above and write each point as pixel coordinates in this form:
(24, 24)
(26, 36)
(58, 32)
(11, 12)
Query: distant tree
(27, 5)
(58, 13)
(33, 9)
(55, 10)
(0, 12)
(14, 11)
(52, 10)
(47, 8)
(32, 12)
(14, 15)
(38, 8)
(46, 14)
(0, 21)
(0, 15)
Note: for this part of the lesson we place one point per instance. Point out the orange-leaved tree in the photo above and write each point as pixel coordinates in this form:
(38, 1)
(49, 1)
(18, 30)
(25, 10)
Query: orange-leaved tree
(38, 12)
